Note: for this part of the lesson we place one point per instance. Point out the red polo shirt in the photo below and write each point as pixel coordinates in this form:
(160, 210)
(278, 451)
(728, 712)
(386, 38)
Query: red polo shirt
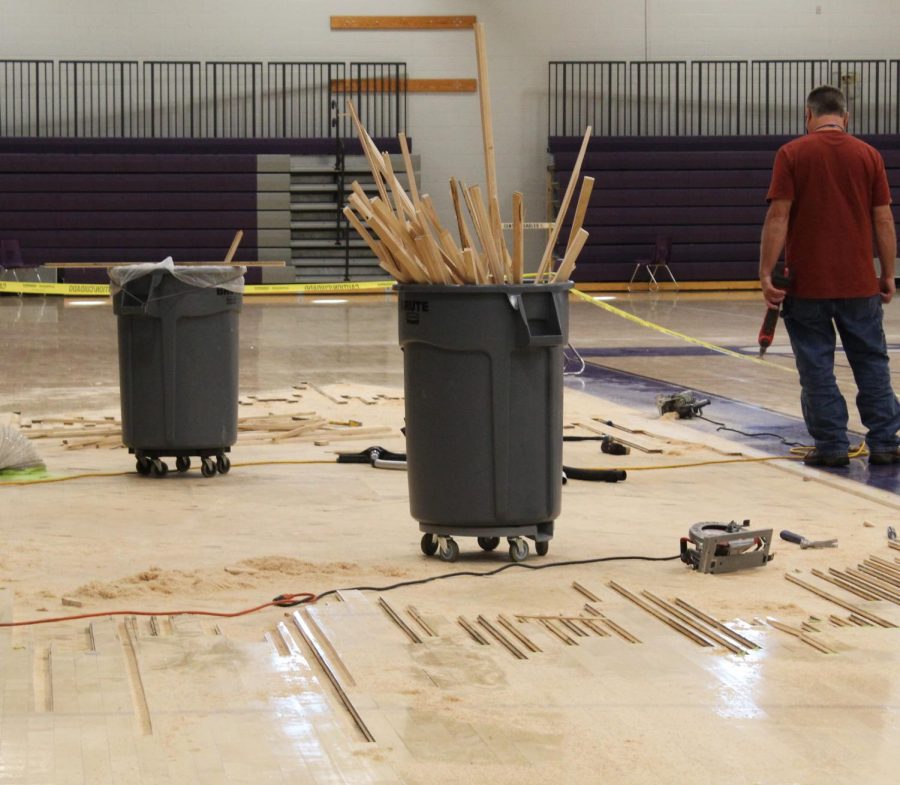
(833, 180)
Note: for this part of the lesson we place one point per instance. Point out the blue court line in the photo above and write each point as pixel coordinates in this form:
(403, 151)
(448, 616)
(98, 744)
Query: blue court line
(639, 392)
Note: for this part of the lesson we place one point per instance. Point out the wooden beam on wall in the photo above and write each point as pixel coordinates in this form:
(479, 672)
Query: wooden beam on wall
(402, 22)
(412, 85)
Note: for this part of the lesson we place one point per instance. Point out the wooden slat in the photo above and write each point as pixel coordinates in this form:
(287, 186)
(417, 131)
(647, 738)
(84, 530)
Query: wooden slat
(402, 22)
(411, 85)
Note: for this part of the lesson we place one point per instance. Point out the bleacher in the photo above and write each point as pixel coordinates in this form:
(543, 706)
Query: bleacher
(707, 192)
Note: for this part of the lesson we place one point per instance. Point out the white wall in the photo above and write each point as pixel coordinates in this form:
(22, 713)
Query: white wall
(523, 35)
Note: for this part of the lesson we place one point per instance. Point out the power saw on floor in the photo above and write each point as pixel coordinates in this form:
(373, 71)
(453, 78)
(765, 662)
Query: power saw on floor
(725, 547)
(686, 404)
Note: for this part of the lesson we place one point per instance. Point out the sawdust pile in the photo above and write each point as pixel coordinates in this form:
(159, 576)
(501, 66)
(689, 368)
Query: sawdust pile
(247, 574)
(284, 565)
(164, 582)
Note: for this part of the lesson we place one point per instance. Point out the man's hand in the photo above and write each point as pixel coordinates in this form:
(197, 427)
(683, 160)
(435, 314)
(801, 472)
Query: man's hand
(888, 289)
(772, 294)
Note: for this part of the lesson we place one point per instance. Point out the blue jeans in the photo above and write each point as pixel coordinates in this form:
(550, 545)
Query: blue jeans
(810, 325)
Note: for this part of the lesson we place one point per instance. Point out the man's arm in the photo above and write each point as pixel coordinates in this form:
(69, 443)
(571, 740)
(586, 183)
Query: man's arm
(886, 242)
(774, 234)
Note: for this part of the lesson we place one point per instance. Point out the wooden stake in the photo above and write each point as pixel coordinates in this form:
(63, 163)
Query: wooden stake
(563, 208)
(518, 256)
(375, 162)
(483, 227)
(584, 196)
(408, 165)
(487, 128)
(473, 266)
(465, 239)
(239, 235)
(377, 248)
(568, 262)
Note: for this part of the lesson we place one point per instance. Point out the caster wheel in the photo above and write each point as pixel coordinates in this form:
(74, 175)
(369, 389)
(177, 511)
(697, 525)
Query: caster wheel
(143, 466)
(223, 464)
(449, 551)
(518, 550)
(542, 548)
(182, 463)
(488, 543)
(207, 467)
(429, 544)
(158, 467)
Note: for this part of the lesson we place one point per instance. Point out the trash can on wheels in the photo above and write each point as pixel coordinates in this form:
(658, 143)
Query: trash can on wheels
(178, 363)
(483, 379)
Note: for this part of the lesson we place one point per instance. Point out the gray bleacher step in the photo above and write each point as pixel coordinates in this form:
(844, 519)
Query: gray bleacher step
(310, 225)
(313, 206)
(325, 242)
(313, 188)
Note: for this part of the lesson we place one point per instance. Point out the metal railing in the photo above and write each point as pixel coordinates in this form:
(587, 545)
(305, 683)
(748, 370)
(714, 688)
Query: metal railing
(116, 98)
(715, 97)
(300, 99)
(26, 97)
(379, 92)
(718, 94)
(172, 99)
(98, 98)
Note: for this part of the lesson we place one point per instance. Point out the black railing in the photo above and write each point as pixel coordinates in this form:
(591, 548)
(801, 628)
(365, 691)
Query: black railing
(715, 97)
(657, 104)
(26, 97)
(98, 98)
(78, 98)
(778, 90)
(718, 95)
(864, 83)
(300, 99)
(232, 92)
(379, 91)
(594, 94)
(172, 95)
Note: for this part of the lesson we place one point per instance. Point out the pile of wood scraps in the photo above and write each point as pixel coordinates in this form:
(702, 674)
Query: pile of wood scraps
(405, 234)
(78, 433)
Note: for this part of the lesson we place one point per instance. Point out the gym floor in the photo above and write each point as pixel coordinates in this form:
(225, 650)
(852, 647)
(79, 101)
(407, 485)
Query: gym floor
(179, 698)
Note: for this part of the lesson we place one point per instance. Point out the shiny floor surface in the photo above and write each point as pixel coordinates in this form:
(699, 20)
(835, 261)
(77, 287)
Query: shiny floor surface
(342, 692)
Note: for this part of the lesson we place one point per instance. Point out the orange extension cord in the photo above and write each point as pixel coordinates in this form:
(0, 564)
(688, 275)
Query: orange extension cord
(281, 601)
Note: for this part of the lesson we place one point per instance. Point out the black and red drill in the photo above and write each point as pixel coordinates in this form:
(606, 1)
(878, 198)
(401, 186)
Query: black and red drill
(782, 280)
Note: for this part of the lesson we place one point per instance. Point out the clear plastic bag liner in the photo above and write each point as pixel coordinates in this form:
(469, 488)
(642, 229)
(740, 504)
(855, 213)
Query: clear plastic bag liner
(211, 276)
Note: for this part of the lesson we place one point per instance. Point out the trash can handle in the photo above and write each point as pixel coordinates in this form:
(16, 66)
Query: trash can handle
(553, 335)
(140, 307)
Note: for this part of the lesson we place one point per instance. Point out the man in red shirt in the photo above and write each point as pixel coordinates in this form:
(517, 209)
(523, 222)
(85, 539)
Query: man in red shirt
(829, 193)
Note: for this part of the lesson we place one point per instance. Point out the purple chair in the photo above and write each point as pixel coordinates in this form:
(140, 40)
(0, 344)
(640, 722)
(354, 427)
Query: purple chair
(661, 258)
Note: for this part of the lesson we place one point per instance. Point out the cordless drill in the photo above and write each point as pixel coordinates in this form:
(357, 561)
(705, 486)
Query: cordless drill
(782, 280)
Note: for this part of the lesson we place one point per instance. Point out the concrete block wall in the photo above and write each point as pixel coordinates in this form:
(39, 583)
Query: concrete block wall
(523, 35)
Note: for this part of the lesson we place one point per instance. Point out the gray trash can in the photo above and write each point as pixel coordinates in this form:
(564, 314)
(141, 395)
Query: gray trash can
(178, 363)
(483, 379)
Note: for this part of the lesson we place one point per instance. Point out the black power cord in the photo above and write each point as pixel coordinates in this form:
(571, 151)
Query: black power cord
(469, 574)
(722, 427)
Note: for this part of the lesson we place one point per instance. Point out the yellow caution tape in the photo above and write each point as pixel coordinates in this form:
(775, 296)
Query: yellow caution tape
(102, 289)
(681, 336)
(338, 287)
(65, 289)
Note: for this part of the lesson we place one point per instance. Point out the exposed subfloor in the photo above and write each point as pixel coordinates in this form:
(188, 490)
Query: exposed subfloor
(608, 693)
